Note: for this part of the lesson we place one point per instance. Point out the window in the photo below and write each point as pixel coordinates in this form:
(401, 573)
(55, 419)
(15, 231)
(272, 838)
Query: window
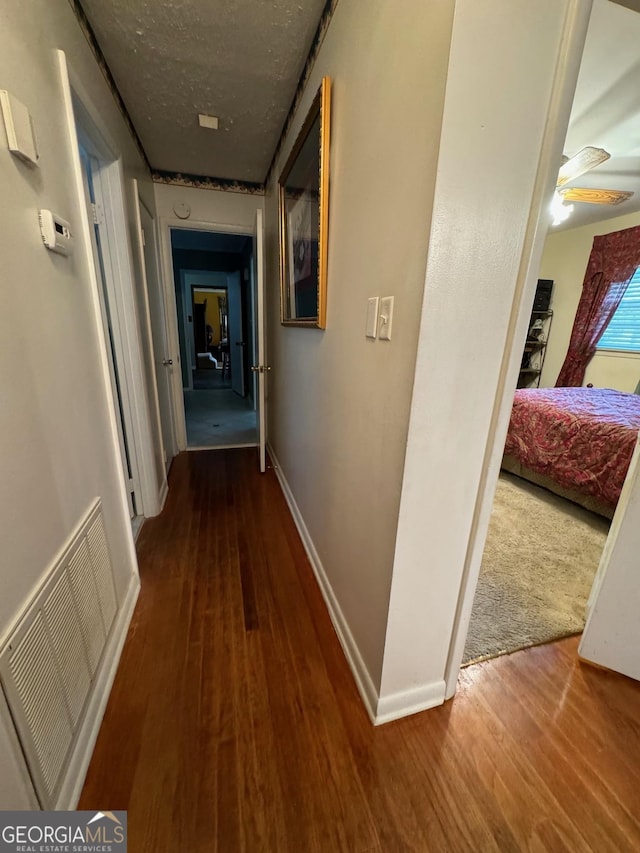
(623, 332)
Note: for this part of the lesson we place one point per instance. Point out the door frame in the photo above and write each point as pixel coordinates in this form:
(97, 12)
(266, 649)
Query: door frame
(204, 287)
(166, 452)
(496, 172)
(82, 117)
(187, 307)
(167, 224)
(559, 109)
(91, 168)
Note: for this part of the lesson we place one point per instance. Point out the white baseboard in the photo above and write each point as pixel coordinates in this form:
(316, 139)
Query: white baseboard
(360, 672)
(380, 710)
(164, 491)
(87, 736)
(408, 702)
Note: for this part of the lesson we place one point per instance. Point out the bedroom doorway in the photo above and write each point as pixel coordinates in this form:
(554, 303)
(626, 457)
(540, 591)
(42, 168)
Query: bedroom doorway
(541, 567)
(215, 296)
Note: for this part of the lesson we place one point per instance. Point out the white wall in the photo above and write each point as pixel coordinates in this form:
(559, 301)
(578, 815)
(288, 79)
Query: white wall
(565, 258)
(338, 403)
(210, 206)
(495, 177)
(57, 448)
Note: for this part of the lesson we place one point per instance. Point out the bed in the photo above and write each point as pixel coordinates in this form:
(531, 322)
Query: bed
(577, 442)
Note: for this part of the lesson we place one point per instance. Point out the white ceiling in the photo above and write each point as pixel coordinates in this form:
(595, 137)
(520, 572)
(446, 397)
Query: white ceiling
(236, 59)
(606, 110)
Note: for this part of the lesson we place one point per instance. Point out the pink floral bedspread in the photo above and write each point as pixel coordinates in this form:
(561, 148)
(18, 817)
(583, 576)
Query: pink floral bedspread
(582, 438)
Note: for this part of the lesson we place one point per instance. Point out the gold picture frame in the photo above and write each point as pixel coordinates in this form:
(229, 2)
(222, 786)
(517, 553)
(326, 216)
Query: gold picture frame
(303, 206)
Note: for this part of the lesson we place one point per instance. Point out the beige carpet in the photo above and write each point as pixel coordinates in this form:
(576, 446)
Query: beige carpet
(541, 556)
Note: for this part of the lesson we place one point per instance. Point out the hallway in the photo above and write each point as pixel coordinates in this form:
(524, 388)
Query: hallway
(235, 725)
(219, 418)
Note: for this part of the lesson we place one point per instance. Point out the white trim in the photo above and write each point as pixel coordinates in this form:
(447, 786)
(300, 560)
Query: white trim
(25, 789)
(84, 248)
(258, 356)
(407, 702)
(164, 491)
(191, 448)
(164, 343)
(128, 312)
(117, 255)
(114, 301)
(146, 320)
(85, 744)
(617, 353)
(360, 672)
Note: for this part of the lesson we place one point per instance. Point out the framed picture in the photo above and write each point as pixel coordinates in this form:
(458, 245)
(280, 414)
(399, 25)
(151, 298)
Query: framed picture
(303, 189)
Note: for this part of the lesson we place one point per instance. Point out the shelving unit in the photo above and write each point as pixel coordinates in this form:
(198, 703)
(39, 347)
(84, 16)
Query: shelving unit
(535, 348)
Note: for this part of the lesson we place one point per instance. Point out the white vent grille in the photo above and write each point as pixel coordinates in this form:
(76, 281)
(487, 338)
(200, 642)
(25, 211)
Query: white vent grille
(47, 667)
(39, 689)
(102, 574)
(66, 638)
(88, 603)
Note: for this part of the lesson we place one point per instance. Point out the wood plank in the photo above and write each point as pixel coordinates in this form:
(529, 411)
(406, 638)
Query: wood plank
(235, 725)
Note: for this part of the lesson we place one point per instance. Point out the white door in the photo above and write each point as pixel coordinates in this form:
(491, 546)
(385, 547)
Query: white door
(236, 341)
(115, 357)
(163, 362)
(260, 369)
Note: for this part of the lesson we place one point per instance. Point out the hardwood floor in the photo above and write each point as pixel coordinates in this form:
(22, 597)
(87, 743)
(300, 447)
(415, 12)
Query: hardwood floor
(235, 725)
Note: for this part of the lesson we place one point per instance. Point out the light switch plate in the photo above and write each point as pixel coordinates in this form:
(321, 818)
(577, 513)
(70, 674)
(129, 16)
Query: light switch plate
(21, 138)
(386, 318)
(372, 317)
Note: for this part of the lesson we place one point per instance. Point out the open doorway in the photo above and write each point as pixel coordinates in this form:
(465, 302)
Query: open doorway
(569, 447)
(215, 302)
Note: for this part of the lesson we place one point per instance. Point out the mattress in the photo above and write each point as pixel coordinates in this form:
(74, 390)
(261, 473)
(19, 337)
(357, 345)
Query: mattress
(580, 438)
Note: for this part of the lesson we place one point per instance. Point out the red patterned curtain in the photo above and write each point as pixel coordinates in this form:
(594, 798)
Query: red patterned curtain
(614, 259)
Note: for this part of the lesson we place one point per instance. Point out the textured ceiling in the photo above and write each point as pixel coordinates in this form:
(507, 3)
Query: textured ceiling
(236, 59)
(606, 110)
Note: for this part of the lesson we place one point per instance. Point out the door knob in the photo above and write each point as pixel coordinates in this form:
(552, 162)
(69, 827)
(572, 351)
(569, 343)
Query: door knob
(167, 362)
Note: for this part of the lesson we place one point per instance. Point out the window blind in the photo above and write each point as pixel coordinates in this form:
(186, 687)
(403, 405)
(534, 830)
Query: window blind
(623, 332)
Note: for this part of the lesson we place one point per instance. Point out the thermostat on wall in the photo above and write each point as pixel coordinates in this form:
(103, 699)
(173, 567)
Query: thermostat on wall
(56, 233)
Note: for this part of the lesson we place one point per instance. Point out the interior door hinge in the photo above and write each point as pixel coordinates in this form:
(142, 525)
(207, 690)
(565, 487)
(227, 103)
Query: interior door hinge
(98, 214)
(144, 240)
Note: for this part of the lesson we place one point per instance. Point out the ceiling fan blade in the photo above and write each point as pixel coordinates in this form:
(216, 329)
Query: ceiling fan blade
(593, 196)
(582, 162)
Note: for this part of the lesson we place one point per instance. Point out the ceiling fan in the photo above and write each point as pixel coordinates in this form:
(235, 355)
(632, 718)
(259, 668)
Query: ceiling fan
(572, 167)
(577, 165)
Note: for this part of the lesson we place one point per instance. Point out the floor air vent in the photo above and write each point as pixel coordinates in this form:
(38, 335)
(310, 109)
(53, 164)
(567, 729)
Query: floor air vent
(48, 664)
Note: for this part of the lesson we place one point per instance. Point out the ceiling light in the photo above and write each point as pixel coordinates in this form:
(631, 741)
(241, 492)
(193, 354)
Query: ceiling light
(559, 210)
(210, 122)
